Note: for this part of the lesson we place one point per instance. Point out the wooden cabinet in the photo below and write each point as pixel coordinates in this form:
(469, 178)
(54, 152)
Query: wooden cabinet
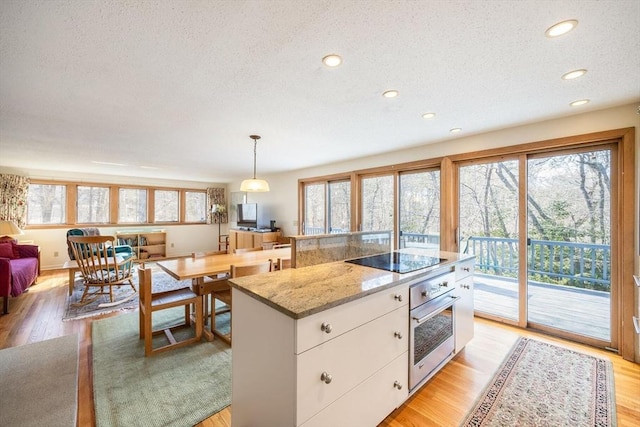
(242, 239)
(346, 363)
(464, 306)
(146, 244)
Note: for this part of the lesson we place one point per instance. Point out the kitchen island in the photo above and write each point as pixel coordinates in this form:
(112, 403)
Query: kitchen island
(324, 345)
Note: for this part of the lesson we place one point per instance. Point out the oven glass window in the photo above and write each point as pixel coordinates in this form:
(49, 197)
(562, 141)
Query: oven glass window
(431, 333)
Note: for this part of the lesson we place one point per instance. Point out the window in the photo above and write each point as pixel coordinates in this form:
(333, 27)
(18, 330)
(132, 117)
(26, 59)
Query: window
(62, 203)
(92, 205)
(132, 207)
(339, 206)
(195, 206)
(419, 199)
(46, 204)
(327, 206)
(377, 197)
(314, 212)
(166, 206)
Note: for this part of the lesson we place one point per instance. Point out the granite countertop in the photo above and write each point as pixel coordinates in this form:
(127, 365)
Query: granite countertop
(301, 292)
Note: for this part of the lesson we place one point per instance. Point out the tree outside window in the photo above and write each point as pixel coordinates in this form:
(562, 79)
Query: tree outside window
(132, 207)
(46, 204)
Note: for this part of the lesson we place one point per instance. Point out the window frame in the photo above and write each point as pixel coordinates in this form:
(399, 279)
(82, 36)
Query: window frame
(71, 212)
(325, 180)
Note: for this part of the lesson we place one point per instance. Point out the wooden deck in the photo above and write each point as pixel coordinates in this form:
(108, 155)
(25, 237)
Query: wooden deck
(580, 311)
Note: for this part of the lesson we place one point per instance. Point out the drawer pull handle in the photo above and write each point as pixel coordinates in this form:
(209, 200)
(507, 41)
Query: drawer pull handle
(397, 335)
(398, 297)
(465, 269)
(326, 327)
(326, 378)
(444, 285)
(397, 385)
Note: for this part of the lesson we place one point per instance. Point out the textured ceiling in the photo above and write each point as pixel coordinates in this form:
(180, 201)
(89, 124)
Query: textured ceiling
(173, 89)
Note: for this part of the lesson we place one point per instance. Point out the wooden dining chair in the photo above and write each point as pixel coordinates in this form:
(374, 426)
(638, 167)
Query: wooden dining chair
(207, 286)
(284, 263)
(151, 302)
(243, 250)
(238, 270)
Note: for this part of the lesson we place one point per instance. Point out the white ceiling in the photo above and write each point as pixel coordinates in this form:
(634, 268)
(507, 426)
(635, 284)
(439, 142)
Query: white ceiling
(180, 85)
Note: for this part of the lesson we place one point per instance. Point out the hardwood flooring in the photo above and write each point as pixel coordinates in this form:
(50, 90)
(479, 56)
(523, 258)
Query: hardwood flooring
(37, 316)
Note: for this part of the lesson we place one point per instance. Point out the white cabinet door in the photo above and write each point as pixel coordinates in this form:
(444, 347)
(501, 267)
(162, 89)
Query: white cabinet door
(370, 402)
(330, 370)
(464, 312)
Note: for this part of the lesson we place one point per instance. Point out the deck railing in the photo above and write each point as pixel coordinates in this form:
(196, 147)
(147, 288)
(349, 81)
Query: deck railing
(314, 231)
(582, 265)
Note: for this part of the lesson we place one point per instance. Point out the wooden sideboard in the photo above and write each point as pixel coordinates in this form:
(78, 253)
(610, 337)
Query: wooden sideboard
(242, 239)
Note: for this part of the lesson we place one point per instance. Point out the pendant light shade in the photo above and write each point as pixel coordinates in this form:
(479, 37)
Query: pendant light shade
(254, 185)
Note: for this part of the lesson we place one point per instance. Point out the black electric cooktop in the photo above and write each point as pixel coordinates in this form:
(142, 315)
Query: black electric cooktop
(397, 262)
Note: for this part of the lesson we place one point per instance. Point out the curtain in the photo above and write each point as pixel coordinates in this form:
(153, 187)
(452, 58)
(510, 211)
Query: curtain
(215, 196)
(13, 198)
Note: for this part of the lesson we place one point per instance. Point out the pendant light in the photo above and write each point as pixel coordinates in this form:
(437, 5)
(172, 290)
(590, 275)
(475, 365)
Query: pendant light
(254, 185)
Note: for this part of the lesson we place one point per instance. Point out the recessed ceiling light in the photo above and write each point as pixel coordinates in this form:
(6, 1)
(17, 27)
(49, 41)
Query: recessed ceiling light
(149, 167)
(390, 94)
(579, 102)
(455, 130)
(428, 115)
(574, 74)
(332, 60)
(561, 28)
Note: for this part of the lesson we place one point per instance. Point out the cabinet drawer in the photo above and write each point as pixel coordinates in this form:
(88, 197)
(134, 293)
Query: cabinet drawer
(370, 402)
(464, 269)
(310, 331)
(349, 359)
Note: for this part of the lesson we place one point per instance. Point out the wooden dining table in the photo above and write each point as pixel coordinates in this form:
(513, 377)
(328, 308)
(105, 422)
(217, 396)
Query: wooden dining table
(196, 269)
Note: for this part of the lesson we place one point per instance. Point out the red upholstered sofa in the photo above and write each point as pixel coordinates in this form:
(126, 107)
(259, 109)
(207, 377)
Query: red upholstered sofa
(19, 269)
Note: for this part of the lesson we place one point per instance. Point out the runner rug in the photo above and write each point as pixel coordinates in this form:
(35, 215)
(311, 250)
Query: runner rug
(178, 388)
(39, 383)
(540, 384)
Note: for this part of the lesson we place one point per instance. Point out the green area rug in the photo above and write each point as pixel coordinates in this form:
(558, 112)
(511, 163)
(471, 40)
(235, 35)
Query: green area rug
(178, 388)
(540, 384)
(39, 383)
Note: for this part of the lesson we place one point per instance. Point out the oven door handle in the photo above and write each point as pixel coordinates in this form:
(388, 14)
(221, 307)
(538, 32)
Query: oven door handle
(437, 310)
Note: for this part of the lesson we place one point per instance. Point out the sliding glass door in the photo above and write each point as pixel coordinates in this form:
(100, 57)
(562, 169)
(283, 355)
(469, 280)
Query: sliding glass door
(488, 229)
(539, 226)
(569, 239)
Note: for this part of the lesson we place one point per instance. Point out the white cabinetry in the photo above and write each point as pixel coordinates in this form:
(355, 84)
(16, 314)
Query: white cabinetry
(347, 364)
(464, 306)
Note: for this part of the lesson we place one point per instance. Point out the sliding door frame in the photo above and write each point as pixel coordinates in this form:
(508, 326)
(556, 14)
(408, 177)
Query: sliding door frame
(623, 223)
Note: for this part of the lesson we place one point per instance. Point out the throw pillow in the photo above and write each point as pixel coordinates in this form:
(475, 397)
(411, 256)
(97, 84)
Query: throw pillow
(16, 250)
(6, 250)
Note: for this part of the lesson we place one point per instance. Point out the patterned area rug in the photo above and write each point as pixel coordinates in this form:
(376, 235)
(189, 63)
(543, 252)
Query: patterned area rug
(74, 310)
(540, 384)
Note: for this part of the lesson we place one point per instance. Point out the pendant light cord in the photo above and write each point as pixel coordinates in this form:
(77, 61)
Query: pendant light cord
(255, 143)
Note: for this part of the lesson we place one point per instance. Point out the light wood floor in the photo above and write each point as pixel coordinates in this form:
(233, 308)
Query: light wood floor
(36, 316)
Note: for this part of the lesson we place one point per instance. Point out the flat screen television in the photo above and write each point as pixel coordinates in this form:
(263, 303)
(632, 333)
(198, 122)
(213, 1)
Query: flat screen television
(248, 215)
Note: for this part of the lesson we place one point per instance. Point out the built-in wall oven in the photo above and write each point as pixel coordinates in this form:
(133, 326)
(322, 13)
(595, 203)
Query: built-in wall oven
(431, 329)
